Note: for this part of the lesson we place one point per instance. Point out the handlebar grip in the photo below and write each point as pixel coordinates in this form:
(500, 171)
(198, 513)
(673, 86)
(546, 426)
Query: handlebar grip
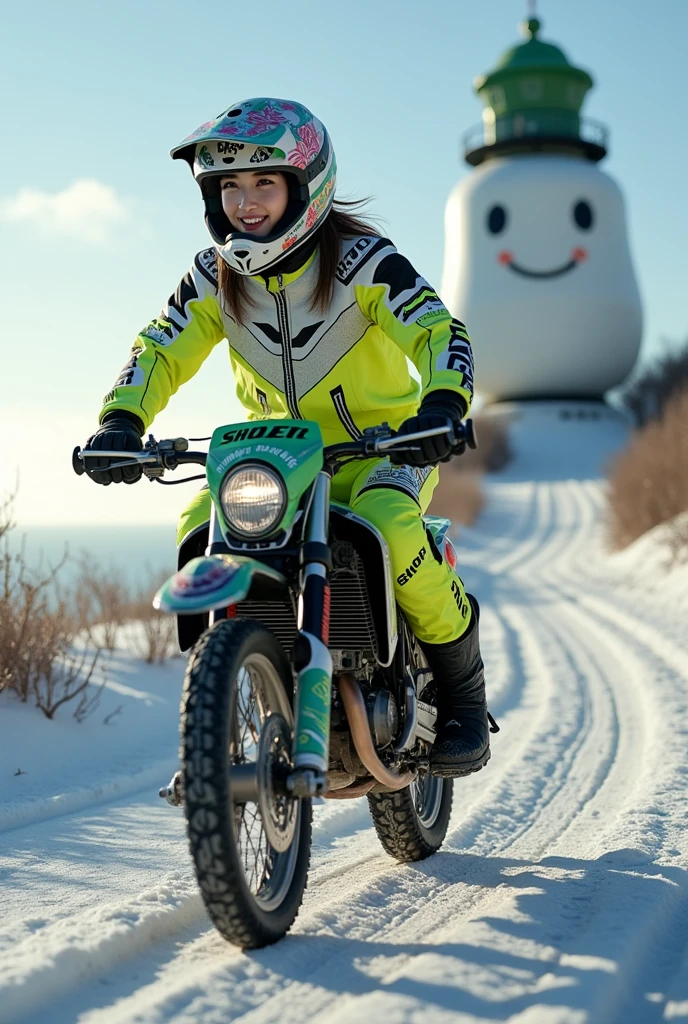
(77, 464)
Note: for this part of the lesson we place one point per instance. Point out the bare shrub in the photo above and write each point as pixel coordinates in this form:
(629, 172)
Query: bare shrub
(493, 451)
(27, 625)
(38, 630)
(459, 494)
(103, 600)
(6, 510)
(44, 656)
(649, 480)
(647, 396)
(155, 639)
(64, 674)
(107, 603)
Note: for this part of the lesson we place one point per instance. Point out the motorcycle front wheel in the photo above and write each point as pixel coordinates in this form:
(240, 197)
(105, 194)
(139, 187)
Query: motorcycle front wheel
(250, 842)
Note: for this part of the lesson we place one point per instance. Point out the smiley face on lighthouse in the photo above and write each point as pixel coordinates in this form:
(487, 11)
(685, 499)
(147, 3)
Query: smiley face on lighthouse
(537, 264)
(497, 221)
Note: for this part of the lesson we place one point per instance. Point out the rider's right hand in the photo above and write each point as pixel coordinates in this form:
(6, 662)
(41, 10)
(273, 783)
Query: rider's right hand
(119, 431)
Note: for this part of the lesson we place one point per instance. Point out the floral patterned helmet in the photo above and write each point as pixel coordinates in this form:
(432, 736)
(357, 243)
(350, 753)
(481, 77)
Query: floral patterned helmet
(270, 134)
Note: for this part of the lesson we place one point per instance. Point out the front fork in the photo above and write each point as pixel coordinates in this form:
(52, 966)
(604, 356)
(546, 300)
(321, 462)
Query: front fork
(310, 657)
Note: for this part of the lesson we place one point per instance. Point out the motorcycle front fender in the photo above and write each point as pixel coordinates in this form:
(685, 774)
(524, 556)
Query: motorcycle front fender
(214, 581)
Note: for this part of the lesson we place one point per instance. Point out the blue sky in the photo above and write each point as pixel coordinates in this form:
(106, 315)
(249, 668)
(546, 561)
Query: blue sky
(100, 93)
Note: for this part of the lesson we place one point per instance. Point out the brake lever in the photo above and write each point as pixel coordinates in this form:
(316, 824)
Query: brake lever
(406, 448)
(391, 442)
(92, 453)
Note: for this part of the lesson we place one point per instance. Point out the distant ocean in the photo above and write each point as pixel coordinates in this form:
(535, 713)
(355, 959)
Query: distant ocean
(138, 552)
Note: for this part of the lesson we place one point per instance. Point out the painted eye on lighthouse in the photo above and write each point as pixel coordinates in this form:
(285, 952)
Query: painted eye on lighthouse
(496, 220)
(582, 214)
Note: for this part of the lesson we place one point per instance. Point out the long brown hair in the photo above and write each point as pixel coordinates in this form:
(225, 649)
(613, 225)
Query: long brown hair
(339, 224)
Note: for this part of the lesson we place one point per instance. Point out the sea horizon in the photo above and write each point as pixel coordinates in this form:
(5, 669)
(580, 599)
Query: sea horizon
(138, 552)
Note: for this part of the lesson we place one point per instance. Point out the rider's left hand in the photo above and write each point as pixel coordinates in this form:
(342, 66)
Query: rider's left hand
(437, 409)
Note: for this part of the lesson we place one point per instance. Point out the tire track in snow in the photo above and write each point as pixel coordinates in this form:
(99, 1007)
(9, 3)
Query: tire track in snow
(644, 789)
(491, 538)
(565, 762)
(332, 883)
(400, 898)
(33, 812)
(117, 950)
(534, 540)
(594, 766)
(636, 801)
(339, 887)
(70, 952)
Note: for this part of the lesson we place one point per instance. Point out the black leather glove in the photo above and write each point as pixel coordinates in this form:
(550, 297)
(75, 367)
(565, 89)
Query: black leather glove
(436, 410)
(119, 431)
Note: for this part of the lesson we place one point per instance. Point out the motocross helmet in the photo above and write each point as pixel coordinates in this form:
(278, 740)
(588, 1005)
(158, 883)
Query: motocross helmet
(270, 134)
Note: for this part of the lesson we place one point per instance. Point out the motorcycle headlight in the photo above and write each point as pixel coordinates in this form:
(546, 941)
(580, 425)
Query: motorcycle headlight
(253, 500)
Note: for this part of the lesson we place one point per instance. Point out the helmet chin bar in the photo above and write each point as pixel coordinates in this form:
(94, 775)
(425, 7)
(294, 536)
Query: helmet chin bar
(243, 261)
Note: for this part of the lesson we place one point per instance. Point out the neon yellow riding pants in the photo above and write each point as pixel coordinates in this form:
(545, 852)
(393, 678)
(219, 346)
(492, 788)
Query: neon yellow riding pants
(393, 499)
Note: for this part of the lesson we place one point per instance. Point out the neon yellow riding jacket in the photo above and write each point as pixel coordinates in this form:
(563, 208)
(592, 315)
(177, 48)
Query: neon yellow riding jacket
(345, 368)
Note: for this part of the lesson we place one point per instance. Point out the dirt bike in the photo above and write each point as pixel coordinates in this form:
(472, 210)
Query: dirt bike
(305, 680)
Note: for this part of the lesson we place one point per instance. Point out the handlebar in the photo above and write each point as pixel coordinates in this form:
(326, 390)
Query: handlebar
(154, 458)
(157, 456)
(378, 440)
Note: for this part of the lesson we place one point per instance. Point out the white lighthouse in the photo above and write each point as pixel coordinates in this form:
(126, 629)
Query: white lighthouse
(537, 261)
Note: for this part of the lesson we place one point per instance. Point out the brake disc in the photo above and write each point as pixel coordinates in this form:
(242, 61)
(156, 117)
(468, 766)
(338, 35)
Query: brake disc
(278, 810)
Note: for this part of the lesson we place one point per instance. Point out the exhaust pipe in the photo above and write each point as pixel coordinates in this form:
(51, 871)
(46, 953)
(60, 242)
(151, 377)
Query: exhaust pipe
(357, 716)
(350, 792)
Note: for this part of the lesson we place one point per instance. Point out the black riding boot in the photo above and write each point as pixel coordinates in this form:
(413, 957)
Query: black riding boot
(462, 745)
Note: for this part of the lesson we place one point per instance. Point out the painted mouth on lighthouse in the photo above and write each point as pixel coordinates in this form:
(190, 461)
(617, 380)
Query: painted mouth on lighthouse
(507, 260)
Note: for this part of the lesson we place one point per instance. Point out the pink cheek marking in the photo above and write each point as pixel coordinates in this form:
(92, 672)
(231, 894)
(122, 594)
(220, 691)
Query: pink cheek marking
(579, 255)
(505, 257)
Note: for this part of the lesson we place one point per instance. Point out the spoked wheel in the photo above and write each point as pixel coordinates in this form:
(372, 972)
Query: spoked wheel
(411, 823)
(250, 841)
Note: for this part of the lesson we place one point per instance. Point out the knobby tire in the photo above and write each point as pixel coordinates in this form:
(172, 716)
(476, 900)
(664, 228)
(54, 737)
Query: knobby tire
(208, 707)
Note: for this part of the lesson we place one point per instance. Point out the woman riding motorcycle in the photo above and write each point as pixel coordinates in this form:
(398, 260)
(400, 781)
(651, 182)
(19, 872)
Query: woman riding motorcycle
(320, 313)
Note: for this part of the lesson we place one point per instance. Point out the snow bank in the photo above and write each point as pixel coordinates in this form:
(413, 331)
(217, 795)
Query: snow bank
(129, 743)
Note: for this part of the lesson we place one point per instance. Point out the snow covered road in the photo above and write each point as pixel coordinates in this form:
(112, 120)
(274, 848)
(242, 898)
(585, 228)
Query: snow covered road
(561, 894)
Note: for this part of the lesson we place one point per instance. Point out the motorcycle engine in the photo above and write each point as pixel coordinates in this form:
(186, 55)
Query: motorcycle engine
(383, 716)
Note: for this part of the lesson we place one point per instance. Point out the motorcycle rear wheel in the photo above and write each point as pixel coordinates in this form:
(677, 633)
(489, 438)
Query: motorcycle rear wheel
(238, 687)
(411, 823)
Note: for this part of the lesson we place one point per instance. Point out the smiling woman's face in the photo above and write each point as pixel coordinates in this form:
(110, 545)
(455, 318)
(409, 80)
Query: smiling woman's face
(254, 201)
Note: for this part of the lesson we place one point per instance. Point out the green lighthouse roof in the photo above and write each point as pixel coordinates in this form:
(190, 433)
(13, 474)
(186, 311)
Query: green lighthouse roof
(534, 53)
(532, 102)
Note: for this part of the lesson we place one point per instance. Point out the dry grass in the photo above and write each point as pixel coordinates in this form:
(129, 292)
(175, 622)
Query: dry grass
(107, 603)
(156, 638)
(493, 451)
(459, 494)
(38, 630)
(647, 397)
(649, 480)
(51, 639)
(103, 601)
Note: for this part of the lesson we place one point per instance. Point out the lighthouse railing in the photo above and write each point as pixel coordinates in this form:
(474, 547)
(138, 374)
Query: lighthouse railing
(536, 126)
